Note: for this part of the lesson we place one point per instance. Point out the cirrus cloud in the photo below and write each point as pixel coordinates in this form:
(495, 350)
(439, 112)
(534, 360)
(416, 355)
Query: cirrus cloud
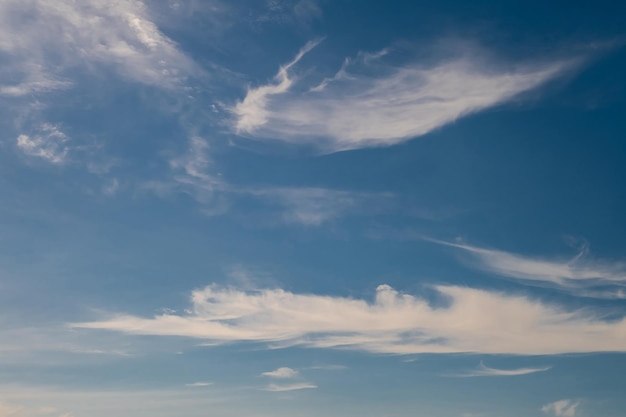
(370, 103)
(393, 322)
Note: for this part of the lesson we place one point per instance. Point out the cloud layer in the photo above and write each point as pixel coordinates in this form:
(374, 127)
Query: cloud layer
(371, 103)
(393, 323)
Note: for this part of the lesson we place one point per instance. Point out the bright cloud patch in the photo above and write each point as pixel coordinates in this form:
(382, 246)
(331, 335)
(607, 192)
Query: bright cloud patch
(562, 408)
(369, 103)
(281, 373)
(46, 38)
(393, 323)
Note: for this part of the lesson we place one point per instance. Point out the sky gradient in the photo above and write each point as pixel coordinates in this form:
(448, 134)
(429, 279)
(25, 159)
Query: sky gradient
(312, 208)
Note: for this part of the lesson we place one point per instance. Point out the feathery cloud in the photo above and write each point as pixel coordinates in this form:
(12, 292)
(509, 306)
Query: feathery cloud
(562, 408)
(484, 370)
(578, 275)
(65, 34)
(393, 322)
(370, 103)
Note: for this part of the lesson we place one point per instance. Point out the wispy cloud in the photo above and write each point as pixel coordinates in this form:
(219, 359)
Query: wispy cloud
(313, 206)
(562, 408)
(283, 372)
(578, 275)
(253, 111)
(371, 103)
(290, 387)
(199, 384)
(393, 322)
(119, 35)
(48, 142)
(192, 169)
(484, 370)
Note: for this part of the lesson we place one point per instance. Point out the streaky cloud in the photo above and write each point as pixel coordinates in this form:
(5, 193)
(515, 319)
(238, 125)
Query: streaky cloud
(91, 34)
(485, 371)
(371, 103)
(578, 275)
(290, 387)
(393, 323)
(199, 384)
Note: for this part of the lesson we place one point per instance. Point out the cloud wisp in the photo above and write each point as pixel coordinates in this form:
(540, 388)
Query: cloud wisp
(561, 408)
(199, 384)
(484, 371)
(393, 322)
(314, 206)
(289, 387)
(48, 143)
(578, 275)
(283, 372)
(63, 35)
(371, 103)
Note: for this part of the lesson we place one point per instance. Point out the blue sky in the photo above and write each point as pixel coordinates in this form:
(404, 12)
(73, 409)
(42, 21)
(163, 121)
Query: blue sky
(313, 208)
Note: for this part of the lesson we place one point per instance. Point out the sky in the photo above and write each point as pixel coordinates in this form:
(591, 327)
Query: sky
(311, 207)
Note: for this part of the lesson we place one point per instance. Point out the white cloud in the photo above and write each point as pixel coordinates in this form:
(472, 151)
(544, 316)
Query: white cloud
(252, 111)
(562, 408)
(48, 143)
(281, 373)
(199, 384)
(577, 275)
(483, 370)
(393, 323)
(369, 103)
(291, 387)
(46, 40)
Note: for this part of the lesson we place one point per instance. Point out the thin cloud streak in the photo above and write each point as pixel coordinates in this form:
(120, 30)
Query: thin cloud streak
(484, 371)
(355, 109)
(578, 275)
(199, 384)
(291, 387)
(393, 322)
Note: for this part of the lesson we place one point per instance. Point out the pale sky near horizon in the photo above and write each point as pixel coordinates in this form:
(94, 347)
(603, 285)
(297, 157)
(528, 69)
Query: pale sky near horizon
(311, 207)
